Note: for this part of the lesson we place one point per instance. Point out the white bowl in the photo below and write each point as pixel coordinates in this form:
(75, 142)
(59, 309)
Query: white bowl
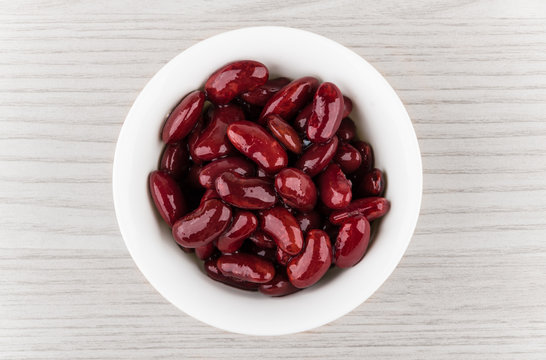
(381, 119)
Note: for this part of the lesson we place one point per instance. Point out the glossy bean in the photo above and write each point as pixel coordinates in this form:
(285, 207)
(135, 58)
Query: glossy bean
(209, 194)
(192, 140)
(347, 130)
(366, 151)
(370, 207)
(296, 188)
(279, 286)
(246, 267)
(308, 267)
(287, 101)
(183, 118)
(309, 220)
(202, 225)
(300, 123)
(258, 145)
(262, 240)
(371, 184)
(352, 241)
(284, 133)
(326, 113)
(212, 271)
(167, 196)
(317, 156)
(278, 223)
(213, 142)
(175, 160)
(205, 251)
(234, 164)
(244, 223)
(335, 189)
(282, 257)
(234, 79)
(348, 158)
(347, 106)
(260, 95)
(245, 193)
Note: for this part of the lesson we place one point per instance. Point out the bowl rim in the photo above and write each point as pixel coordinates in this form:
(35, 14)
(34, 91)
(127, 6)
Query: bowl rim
(123, 138)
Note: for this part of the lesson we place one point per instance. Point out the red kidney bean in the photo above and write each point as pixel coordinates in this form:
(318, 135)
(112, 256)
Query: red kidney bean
(335, 189)
(284, 133)
(309, 220)
(202, 225)
(366, 151)
(300, 124)
(213, 142)
(192, 141)
(371, 207)
(287, 101)
(278, 223)
(262, 240)
(211, 171)
(258, 145)
(246, 267)
(260, 95)
(262, 174)
(214, 273)
(175, 160)
(348, 158)
(209, 194)
(168, 198)
(245, 193)
(347, 106)
(311, 264)
(279, 286)
(193, 176)
(371, 184)
(347, 130)
(234, 79)
(317, 156)
(352, 241)
(183, 118)
(282, 257)
(205, 251)
(326, 114)
(296, 189)
(244, 223)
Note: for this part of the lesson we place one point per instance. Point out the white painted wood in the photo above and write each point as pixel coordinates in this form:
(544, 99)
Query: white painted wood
(473, 76)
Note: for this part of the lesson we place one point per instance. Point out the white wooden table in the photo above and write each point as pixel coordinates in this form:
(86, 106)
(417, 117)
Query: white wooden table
(472, 74)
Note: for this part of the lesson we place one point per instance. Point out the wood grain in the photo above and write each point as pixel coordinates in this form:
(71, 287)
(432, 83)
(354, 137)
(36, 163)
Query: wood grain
(473, 77)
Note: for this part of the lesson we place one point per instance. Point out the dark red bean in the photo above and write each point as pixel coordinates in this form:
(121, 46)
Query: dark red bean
(214, 273)
(234, 164)
(335, 189)
(371, 184)
(205, 251)
(258, 145)
(352, 241)
(245, 193)
(282, 257)
(262, 174)
(250, 247)
(371, 207)
(260, 95)
(278, 223)
(309, 220)
(347, 130)
(244, 223)
(279, 286)
(317, 156)
(284, 133)
(366, 151)
(234, 79)
(296, 189)
(192, 141)
(209, 194)
(183, 118)
(193, 176)
(262, 240)
(331, 230)
(326, 114)
(347, 106)
(300, 124)
(252, 112)
(308, 267)
(246, 267)
(202, 225)
(175, 160)
(348, 158)
(168, 198)
(213, 142)
(287, 101)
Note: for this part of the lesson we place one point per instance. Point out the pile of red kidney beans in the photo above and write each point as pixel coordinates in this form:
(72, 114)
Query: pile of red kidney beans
(266, 181)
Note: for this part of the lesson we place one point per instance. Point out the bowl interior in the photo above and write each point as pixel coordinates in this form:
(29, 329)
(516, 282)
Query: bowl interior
(381, 119)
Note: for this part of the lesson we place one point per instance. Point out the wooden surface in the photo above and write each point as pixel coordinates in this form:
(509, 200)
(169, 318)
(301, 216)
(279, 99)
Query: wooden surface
(472, 284)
